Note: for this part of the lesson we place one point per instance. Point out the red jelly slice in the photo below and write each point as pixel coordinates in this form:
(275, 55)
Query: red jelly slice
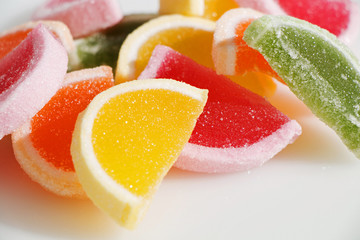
(234, 122)
(332, 15)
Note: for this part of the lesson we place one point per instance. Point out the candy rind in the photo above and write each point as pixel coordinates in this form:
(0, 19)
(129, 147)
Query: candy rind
(199, 158)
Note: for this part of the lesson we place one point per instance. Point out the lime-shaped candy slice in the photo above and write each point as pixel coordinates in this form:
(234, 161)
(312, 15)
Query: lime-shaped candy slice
(317, 67)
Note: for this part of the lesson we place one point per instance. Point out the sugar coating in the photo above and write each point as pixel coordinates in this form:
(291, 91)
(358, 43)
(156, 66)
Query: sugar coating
(234, 122)
(83, 17)
(220, 160)
(341, 17)
(317, 67)
(29, 76)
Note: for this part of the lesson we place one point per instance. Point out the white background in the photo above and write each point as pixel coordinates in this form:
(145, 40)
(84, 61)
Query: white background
(311, 190)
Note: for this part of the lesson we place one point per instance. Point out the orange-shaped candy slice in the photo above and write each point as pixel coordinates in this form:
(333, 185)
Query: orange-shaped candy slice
(42, 146)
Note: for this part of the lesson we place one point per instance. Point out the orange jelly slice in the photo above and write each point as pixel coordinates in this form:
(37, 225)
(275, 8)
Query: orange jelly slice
(52, 126)
(248, 59)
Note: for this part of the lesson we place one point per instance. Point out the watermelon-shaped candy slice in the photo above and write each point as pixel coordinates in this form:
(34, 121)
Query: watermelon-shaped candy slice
(29, 76)
(340, 17)
(238, 129)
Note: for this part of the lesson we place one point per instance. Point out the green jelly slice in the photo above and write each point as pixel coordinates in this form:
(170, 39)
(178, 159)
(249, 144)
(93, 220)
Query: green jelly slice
(317, 67)
(103, 48)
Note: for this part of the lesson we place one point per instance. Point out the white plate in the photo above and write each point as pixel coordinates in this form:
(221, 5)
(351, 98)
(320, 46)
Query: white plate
(311, 190)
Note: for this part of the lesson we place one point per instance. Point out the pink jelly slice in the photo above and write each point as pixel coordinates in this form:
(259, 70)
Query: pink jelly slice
(333, 15)
(29, 76)
(238, 129)
(83, 17)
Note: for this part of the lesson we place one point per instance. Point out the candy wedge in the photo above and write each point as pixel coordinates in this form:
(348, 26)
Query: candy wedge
(317, 67)
(42, 145)
(340, 17)
(238, 129)
(127, 139)
(29, 76)
(83, 17)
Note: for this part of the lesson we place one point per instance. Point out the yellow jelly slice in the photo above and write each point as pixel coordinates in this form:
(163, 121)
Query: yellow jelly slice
(128, 138)
(153, 125)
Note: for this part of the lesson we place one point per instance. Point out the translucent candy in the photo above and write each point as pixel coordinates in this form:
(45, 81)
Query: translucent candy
(317, 67)
(83, 17)
(238, 129)
(29, 76)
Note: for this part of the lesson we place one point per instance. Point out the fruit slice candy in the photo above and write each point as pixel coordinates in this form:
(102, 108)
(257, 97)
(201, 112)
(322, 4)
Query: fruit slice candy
(29, 76)
(238, 129)
(317, 67)
(83, 17)
(127, 139)
(209, 9)
(13, 37)
(42, 145)
(102, 48)
(231, 55)
(190, 36)
(340, 17)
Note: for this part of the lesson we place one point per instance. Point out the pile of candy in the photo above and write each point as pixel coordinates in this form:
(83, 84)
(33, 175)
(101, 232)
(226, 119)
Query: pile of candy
(189, 91)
